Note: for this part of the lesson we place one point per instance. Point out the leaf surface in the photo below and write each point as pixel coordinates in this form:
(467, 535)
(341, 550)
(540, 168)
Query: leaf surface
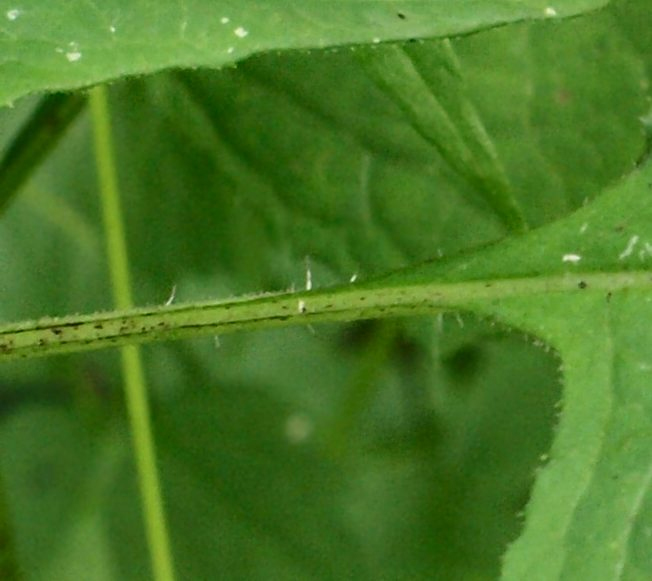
(593, 497)
(249, 170)
(62, 45)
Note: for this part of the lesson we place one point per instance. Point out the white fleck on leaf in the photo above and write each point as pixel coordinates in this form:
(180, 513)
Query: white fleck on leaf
(308, 274)
(13, 14)
(571, 258)
(645, 251)
(172, 296)
(240, 32)
(630, 247)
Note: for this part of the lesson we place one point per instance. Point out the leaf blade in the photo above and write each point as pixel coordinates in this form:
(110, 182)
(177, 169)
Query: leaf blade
(62, 46)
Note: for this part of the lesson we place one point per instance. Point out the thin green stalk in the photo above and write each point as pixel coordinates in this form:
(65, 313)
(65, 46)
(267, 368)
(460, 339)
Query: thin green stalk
(135, 389)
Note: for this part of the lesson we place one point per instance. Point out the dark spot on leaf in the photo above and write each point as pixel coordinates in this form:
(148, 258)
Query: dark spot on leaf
(563, 97)
(582, 284)
(401, 15)
(358, 334)
(408, 352)
(464, 363)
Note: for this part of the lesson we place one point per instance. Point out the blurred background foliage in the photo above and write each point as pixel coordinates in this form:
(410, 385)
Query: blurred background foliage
(400, 449)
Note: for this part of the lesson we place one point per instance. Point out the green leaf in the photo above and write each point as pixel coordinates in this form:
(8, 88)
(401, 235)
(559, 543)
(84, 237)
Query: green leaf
(62, 45)
(56, 473)
(428, 87)
(584, 285)
(39, 135)
(238, 455)
(230, 179)
(593, 498)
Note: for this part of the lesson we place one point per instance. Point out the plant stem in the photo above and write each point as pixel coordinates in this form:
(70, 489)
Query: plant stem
(135, 389)
(350, 303)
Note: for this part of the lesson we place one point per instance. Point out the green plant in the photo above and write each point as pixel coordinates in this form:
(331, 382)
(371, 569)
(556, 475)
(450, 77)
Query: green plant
(468, 200)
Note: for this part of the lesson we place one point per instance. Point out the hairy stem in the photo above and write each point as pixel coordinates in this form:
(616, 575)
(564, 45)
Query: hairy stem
(347, 303)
